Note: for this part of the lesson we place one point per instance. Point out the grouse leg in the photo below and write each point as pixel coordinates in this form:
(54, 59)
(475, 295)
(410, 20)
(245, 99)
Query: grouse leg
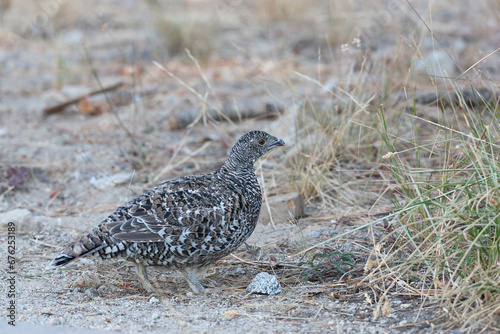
(143, 278)
(194, 283)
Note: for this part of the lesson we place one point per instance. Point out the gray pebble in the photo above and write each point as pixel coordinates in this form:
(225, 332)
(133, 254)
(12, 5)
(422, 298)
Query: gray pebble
(154, 300)
(314, 235)
(107, 289)
(110, 180)
(85, 261)
(22, 218)
(264, 283)
(53, 322)
(91, 292)
(435, 62)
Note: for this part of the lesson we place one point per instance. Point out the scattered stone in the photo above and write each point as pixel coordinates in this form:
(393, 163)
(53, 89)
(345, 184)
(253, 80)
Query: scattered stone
(264, 283)
(22, 218)
(91, 292)
(282, 208)
(107, 289)
(436, 62)
(111, 180)
(314, 235)
(86, 261)
(154, 300)
(54, 321)
(87, 280)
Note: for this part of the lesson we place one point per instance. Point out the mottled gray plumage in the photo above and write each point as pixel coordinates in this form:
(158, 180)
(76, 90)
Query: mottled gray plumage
(185, 223)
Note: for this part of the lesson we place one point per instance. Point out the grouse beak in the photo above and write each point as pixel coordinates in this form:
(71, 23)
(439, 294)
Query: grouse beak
(279, 142)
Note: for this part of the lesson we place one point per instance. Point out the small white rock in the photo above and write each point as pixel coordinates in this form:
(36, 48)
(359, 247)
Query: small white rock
(154, 300)
(314, 235)
(22, 218)
(91, 292)
(111, 180)
(264, 283)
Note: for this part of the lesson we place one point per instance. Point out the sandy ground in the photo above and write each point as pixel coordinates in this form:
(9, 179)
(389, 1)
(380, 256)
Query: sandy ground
(62, 164)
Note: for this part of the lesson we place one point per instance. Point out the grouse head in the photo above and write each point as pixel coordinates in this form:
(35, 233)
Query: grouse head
(251, 146)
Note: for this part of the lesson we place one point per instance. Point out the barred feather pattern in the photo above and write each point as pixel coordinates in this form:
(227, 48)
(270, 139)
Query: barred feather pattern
(188, 222)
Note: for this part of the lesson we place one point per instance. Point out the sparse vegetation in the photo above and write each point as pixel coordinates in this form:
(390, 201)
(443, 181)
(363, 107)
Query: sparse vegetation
(444, 237)
(390, 115)
(11, 178)
(321, 266)
(447, 229)
(175, 33)
(444, 240)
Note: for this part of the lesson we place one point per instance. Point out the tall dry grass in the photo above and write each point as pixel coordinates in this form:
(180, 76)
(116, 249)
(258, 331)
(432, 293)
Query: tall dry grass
(443, 238)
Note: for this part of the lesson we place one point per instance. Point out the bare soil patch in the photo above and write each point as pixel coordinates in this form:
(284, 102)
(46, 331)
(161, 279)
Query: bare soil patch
(72, 167)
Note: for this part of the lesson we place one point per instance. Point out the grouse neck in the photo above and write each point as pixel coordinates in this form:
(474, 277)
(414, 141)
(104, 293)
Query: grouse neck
(236, 166)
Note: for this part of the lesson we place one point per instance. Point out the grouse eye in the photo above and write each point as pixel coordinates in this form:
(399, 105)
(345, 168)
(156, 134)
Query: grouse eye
(262, 141)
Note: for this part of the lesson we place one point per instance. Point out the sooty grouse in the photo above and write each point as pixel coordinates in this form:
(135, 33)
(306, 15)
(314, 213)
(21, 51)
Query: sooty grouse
(185, 223)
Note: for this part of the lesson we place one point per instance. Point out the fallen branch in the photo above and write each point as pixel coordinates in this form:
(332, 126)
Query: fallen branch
(60, 106)
(237, 111)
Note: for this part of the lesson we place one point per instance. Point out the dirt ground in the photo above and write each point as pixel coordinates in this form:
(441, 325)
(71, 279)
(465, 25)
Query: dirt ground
(69, 169)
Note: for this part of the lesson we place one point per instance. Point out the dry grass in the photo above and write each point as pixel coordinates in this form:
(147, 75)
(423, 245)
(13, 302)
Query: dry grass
(361, 142)
(443, 240)
(178, 29)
